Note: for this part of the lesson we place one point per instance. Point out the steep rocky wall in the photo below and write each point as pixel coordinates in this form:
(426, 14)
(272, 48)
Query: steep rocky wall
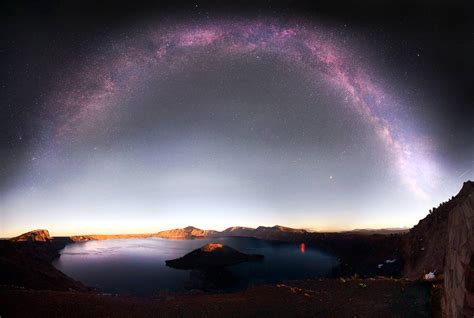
(443, 243)
(425, 246)
(459, 262)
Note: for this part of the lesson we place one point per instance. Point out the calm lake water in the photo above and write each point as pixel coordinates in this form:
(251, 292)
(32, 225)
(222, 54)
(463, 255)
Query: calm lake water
(137, 266)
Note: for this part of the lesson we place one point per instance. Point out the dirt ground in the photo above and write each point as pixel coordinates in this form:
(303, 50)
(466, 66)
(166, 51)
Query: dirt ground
(309, 298)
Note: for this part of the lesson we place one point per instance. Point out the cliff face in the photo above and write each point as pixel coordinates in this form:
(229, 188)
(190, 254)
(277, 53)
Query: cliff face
(424, 247)
(443, 243)
(459, 263)
(33, 236)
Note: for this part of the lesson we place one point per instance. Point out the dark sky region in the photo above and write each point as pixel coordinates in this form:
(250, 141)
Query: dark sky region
(126, 116)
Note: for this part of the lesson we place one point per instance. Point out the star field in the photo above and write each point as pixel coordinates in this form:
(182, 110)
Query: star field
(218, 122)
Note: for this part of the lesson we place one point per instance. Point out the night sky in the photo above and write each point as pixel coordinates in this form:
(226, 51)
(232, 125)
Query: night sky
(127, 118)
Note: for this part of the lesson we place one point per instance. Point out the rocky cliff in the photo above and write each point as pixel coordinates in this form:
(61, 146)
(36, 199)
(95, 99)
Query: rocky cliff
(424, 247)
(442, 245)
(33, 236)
(458, 298)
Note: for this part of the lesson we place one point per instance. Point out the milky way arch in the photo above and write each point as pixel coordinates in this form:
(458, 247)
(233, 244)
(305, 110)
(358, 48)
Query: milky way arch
(109, 78)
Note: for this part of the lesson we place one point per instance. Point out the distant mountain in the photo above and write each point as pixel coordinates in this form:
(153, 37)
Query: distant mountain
(33, 236)
(238, 231)
(189, 232)
(279, 228)
(276, 232)
(378, 231)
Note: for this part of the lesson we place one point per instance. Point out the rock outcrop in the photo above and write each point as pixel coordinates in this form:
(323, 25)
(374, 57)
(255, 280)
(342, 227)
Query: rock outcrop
(213, 255)
(33, 236)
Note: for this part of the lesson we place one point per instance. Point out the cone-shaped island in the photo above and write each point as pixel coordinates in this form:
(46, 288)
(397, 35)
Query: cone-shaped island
(213, 255)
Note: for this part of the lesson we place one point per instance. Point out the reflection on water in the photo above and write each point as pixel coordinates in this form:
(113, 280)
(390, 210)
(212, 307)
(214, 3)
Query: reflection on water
(211, 280)
(137, 266)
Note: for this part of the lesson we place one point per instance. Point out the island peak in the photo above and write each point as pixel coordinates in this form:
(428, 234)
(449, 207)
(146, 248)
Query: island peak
(212, 247)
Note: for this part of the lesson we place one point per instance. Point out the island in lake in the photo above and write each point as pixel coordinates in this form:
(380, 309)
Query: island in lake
(211, 256)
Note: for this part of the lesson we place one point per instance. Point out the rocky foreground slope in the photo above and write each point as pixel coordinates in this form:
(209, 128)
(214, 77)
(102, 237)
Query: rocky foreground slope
(309, 298)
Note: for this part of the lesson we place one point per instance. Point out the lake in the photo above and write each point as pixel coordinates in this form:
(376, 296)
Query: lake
(137, 266)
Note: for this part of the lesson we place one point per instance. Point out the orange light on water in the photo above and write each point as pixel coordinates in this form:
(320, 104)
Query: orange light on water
(302, 247)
